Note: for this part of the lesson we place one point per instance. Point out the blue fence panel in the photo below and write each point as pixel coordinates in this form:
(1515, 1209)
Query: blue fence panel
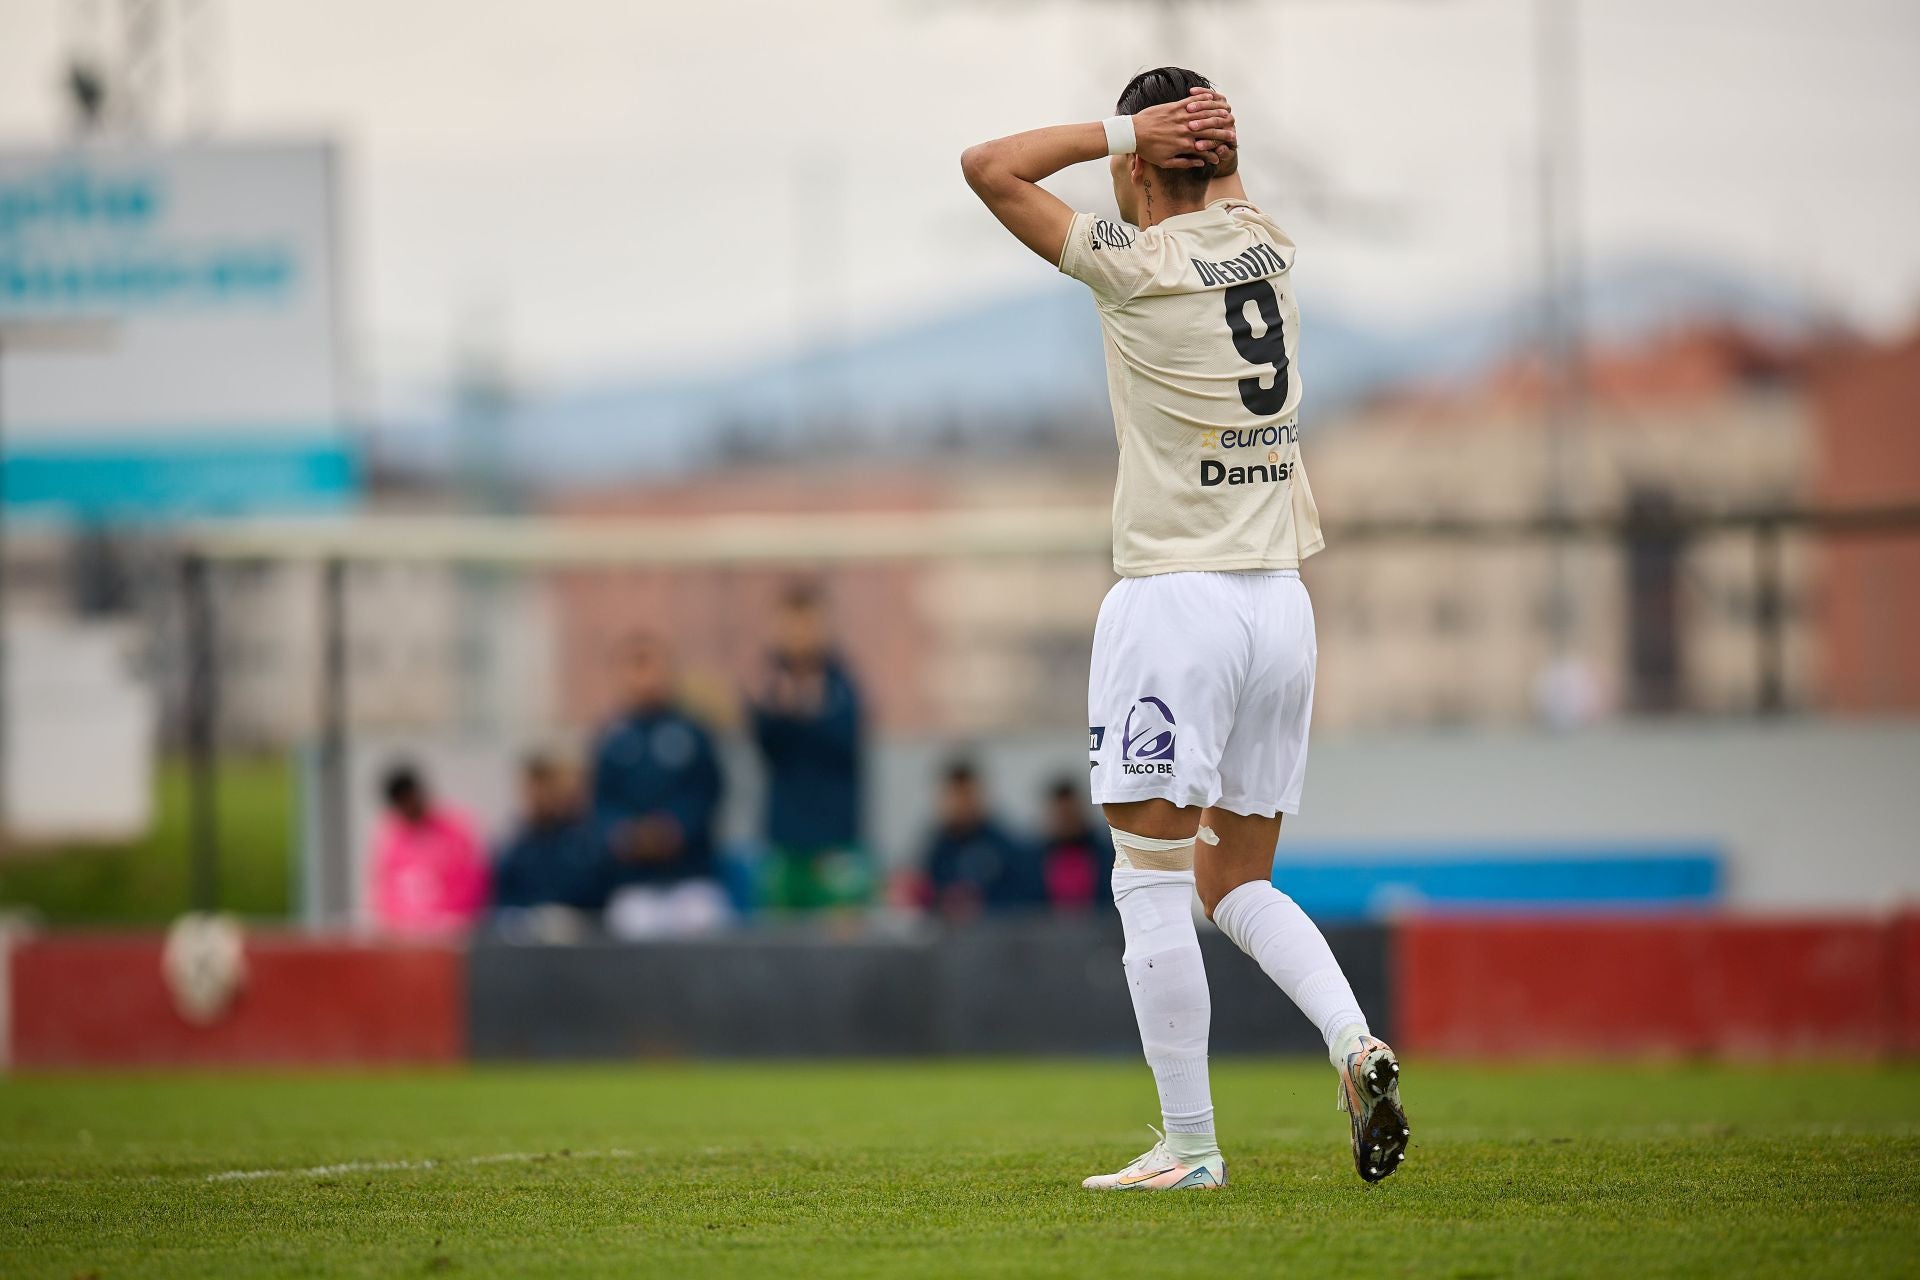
(1371, 882)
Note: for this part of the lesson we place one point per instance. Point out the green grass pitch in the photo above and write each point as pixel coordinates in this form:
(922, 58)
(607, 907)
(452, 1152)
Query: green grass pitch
(951, 1168)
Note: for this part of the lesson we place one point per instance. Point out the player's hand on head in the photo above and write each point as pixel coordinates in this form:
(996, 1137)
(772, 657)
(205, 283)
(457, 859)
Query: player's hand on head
(1180, 135)
(1224, 156)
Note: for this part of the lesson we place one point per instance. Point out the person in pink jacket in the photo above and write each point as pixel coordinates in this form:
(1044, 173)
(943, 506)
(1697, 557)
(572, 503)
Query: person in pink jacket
(429, 869)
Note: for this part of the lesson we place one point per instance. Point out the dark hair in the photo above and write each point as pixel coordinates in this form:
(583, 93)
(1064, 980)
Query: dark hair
(960, 772)
(1157, 88)
(642, 644)
(1064, 788)
(803, 595)
(539, 767)
(401, 783)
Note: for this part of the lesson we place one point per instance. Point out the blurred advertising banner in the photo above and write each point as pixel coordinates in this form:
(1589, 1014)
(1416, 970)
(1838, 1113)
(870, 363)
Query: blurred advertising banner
(208, 274)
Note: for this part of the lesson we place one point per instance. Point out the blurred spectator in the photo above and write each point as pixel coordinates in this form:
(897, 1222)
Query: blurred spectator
(656, 787)
(429, 871)
(807, 723)
(972, 864)
(555, 857)
(1076, 856)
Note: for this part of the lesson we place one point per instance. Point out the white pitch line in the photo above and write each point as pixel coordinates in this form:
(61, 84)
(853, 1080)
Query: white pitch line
(391, 1166)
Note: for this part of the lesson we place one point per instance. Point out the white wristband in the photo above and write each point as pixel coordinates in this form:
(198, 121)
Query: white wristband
(1120, 140)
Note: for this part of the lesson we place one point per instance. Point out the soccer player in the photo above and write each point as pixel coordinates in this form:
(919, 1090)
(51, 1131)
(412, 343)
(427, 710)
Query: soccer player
(1203, 655)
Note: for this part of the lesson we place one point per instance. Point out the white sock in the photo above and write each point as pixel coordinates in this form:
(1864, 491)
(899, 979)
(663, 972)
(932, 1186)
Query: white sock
(1168, 984)
(1269, 926)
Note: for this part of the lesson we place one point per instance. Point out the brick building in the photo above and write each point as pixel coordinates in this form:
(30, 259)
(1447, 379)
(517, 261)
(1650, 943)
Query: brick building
(1866, 401)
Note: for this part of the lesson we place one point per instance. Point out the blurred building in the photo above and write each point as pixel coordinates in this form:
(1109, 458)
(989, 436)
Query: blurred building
(1450, 631)
(1412, 631)
(1438, 631)
(1864, 399)
(1427, 632)
(426, 651)
(939, 646)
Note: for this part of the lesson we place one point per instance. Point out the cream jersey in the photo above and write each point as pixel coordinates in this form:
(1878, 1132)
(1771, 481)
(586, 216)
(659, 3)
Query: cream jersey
(1201, 330)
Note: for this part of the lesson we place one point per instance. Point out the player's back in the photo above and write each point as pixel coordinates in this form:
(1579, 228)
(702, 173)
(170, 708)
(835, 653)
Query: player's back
(1201, 330)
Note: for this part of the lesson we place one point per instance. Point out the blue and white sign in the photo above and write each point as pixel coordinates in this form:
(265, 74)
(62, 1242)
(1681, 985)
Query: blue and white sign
(213, 387)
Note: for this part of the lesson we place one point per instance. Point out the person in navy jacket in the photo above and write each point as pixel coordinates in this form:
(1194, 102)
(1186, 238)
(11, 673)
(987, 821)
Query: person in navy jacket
(807, 722)
(656, 794)
(973, 865)
(555, 856)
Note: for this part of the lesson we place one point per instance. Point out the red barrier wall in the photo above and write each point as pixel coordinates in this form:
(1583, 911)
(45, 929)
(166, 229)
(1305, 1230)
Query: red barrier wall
(1684, 986)
(97, 1000)
(1904, 965)
(1572, 987)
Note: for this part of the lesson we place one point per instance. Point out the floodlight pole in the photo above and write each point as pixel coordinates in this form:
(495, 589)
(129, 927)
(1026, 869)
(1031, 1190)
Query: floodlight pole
(1769, 609)
(333, 885)
(202, 716)
(1556, 106)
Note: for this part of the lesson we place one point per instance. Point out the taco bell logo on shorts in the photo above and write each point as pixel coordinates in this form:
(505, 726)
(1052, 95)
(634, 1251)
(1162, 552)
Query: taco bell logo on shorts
(1146, 741)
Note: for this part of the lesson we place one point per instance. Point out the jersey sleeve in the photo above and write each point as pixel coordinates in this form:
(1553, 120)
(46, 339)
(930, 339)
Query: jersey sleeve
(1107, 257)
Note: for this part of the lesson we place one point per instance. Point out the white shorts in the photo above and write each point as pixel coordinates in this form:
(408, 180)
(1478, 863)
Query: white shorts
(1201, 690)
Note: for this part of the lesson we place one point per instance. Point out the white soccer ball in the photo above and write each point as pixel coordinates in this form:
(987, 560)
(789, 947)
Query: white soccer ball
(205, 965)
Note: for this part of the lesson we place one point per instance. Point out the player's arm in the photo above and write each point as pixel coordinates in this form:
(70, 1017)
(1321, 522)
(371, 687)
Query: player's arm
(1225, 182)
(1006, 173)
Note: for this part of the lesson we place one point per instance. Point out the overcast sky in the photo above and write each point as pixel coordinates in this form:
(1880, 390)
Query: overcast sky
(628, 185)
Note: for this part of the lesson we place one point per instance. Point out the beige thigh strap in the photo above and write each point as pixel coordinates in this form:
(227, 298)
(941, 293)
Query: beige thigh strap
(1143, 853)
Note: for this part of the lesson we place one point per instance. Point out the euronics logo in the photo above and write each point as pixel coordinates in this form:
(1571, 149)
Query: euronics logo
(71, 239)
